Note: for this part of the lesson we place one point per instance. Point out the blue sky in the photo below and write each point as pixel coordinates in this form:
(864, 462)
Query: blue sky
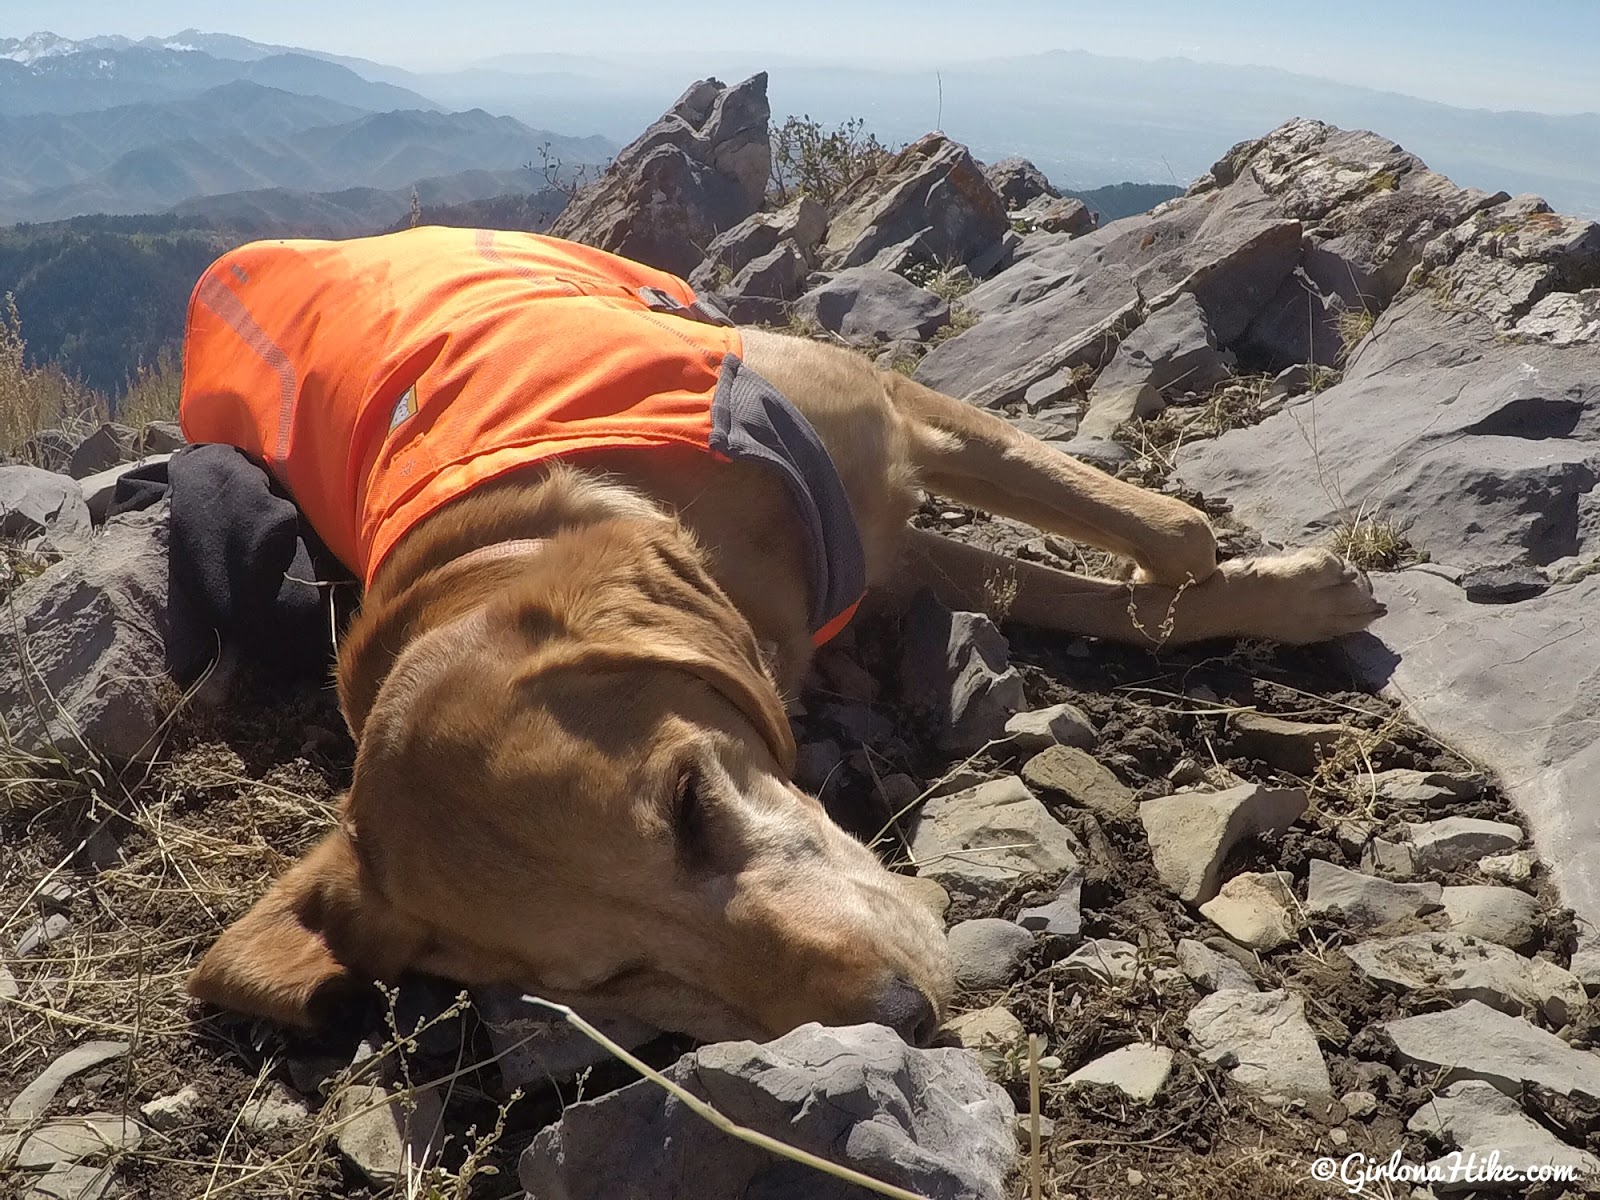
(1479, 53)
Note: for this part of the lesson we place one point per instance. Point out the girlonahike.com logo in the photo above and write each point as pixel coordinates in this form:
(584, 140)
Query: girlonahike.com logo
(1357, 1172)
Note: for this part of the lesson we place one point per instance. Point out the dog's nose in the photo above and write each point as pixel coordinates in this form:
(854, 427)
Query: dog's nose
(906, 1009)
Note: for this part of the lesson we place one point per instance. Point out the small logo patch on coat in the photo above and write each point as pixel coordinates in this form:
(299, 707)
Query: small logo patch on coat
(404, 408)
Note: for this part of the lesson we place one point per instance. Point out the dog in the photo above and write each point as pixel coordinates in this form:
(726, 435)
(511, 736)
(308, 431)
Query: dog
(566, 680)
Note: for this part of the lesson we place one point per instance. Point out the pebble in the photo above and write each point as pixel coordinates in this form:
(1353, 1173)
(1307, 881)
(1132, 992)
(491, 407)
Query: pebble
(34, 1100)
(1359, 1105)
(1454, 842)
(42, 933)
(1256, 910)
(277, 1109)
(1338, 1136)
(1192, 835)
(1297, 747)
(984, 953)
(380, 1131)
(1138, 1071)
(166, 1113)
(984, 841)
(1269, 1041)
(1060, 917)
(1495, 914)
(995, 1027)
(1466, 968)
(1070, 772)
(1102, 960)
(63, 1182)
(73, 1139)
(1365, 901)
(1514, 868)
(1057, 725)
(1479, 1119)
(1431, 789)
(1212, 971)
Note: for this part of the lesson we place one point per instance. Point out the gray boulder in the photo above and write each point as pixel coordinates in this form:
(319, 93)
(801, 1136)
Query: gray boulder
(85, 653)
(1018, 182)
(1474, 1041)
(1265, 1036)
(1464, 968)
(802, 222)
(1174, 348)
(924, 1120)
(1075, 325)
(1482, 1121)
(697, 171)
(985, 952)
(42, 512)
(867, 304)
(1365, 901)
(107, 446)
(1064, 215)
(1192, 834)
(932, 194)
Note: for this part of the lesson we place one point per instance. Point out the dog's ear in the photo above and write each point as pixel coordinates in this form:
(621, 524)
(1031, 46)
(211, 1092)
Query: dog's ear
(319, 933)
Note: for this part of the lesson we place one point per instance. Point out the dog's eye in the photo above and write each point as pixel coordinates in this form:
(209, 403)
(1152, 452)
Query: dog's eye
(690, 819)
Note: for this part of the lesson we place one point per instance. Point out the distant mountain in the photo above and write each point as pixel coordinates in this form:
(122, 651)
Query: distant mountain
(41, 76)
(1086, 119)
(244, 138)
(1119, 200)
(354, 212)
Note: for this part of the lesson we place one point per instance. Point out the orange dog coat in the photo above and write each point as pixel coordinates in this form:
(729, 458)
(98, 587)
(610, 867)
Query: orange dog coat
(379, 378)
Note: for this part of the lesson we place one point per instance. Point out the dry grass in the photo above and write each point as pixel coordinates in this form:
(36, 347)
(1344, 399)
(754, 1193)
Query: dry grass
(152, 393)
(1372, 542)
(1233, 405)
(962, 319)
(35, 398)
(1354, 325)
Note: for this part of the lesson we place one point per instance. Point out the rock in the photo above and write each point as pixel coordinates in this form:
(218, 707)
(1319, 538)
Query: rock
(1068, 771)
(1266, 1036)
(535, 1048)
(1454, 842)
(1102, 960)
(932, 192)
(1138, 1071)
(8, 984)
(869, 304)
(96, 1136)
(1060, 917)
(779, 274)
(278, 1108)
(100, 489)
(955, 668)
(1392, 858)
(1493, 914)
(105, 447)
(1174, 348)
(69, 1183)
(1077, 323)
(924, 1120)
(1474, 1041)
(1359, 1105)
(699, 170)
(1464, 968)
(1057, 725)
(1192, 835)
(815, 763)
(42, 512)
(985, 952)
(1017, 182)
(166, 1113)
(993, 1028)
(1111, 407)
(1297, 747)
(1066, 215)
(1514, 868)
(42, 933)
(800, 223)
(159, 437)
(90, 634)
(1255, 910)
(1483, 1122)
(1431, 789)
(380, 1136)
(34, 1100)
(1211, 971)
(1364, 901)
(984, 841)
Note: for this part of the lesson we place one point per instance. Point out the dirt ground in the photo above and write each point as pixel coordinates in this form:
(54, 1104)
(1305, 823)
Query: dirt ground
(159, 859)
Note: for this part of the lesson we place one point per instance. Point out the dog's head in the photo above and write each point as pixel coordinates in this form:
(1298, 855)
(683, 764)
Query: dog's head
(579, 786)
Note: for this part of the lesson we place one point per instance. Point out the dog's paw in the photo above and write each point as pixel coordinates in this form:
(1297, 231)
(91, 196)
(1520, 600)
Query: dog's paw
(1306, 596)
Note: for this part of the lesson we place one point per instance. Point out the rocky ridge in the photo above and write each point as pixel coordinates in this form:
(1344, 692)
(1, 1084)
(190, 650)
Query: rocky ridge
(1241, 903)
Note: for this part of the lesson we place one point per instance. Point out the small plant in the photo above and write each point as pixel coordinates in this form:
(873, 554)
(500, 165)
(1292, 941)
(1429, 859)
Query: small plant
(819, 162)
(557, 175)
(1373, 543)
(962, 319)
(1385, 181)
(1000, 593)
